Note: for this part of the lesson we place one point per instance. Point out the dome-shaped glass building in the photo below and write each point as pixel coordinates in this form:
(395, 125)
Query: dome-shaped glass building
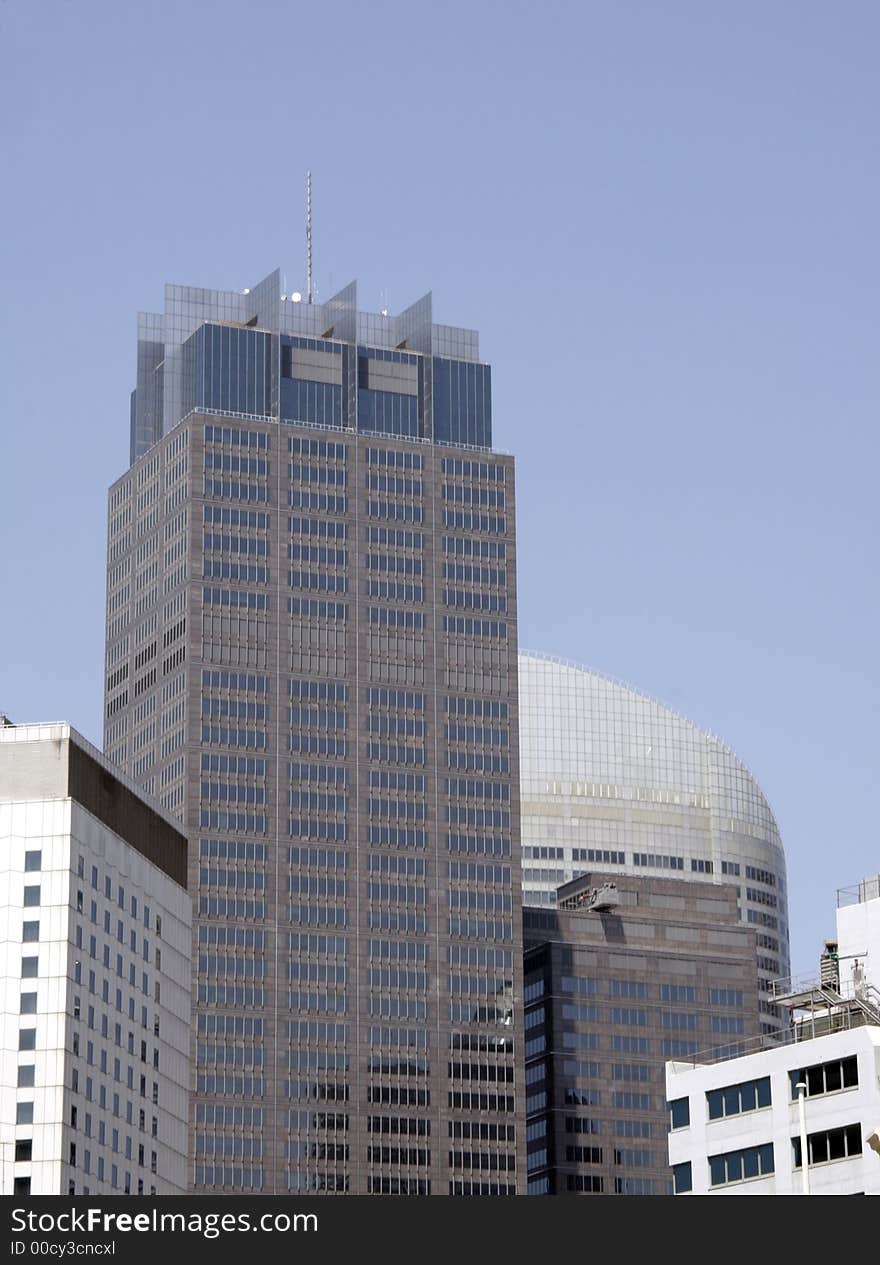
(612, 780)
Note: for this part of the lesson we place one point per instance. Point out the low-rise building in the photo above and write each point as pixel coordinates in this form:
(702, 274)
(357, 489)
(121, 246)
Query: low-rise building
(743, 1125)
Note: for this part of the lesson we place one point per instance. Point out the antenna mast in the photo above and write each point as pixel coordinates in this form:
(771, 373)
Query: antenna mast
(309, 237)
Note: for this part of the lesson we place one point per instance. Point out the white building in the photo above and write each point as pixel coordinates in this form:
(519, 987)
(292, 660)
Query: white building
(95, 960)
(736, 1125)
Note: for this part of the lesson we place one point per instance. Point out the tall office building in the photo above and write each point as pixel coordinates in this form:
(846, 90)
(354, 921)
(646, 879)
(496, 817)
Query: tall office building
(311, 659)
(613, 781)
(95, 929)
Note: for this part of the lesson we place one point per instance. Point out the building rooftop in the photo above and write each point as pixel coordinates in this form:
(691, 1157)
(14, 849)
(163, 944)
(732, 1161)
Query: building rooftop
(265, 306)
(54, 761)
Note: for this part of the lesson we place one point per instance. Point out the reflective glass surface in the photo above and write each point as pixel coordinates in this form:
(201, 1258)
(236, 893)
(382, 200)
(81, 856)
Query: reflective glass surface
(607, 771)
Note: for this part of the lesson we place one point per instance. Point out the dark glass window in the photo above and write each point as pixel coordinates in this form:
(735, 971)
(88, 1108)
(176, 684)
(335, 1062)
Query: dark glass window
(681, 1177)
(732, 1100)
(829, 1144)
(738, 1166)
(680, 1114)
(32, 861)
(826, 1078)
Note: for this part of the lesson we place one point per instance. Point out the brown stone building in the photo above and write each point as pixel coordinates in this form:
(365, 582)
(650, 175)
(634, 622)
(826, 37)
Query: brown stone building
(312, 661)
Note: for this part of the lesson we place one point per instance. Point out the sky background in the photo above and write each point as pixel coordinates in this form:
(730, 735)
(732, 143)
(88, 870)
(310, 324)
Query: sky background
(661, 216)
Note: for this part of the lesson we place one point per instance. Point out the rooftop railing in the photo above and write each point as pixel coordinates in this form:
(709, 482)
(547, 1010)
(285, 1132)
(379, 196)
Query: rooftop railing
(341, 430)
(868, 889)
(820, 1023)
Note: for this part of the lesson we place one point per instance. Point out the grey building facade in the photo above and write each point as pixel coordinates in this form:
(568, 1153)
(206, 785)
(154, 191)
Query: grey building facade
(611, 994)
(311, 660)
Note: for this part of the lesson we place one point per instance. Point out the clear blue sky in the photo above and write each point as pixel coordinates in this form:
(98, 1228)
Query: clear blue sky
(663, 219)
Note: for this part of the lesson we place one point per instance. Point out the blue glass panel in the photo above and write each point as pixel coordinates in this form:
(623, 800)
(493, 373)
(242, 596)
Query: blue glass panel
(228, 369)
(319, 402)
(462, 398)
(388, 413)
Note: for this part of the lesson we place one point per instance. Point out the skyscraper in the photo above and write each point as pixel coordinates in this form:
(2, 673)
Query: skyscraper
(311, 659)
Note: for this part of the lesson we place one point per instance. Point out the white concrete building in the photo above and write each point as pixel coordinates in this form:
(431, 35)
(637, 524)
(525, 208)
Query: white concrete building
(736, 1125)
(95, 961)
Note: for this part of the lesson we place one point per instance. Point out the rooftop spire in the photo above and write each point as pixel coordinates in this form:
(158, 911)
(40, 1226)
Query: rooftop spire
(309, 237)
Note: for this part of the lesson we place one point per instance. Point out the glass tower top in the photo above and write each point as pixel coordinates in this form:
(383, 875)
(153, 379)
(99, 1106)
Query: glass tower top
(258, 354)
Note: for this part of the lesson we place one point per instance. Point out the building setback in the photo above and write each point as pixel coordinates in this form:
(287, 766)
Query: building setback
(95, 928)
(617, 981)
(311, 659)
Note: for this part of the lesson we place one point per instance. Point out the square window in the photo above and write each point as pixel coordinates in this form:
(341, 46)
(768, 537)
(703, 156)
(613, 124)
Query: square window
(24, 1113)
(27, 1039)
(23, 1150)
(31, 896)
(26, 1076)
(28, 1004)
(30, 932)
(33, 861)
